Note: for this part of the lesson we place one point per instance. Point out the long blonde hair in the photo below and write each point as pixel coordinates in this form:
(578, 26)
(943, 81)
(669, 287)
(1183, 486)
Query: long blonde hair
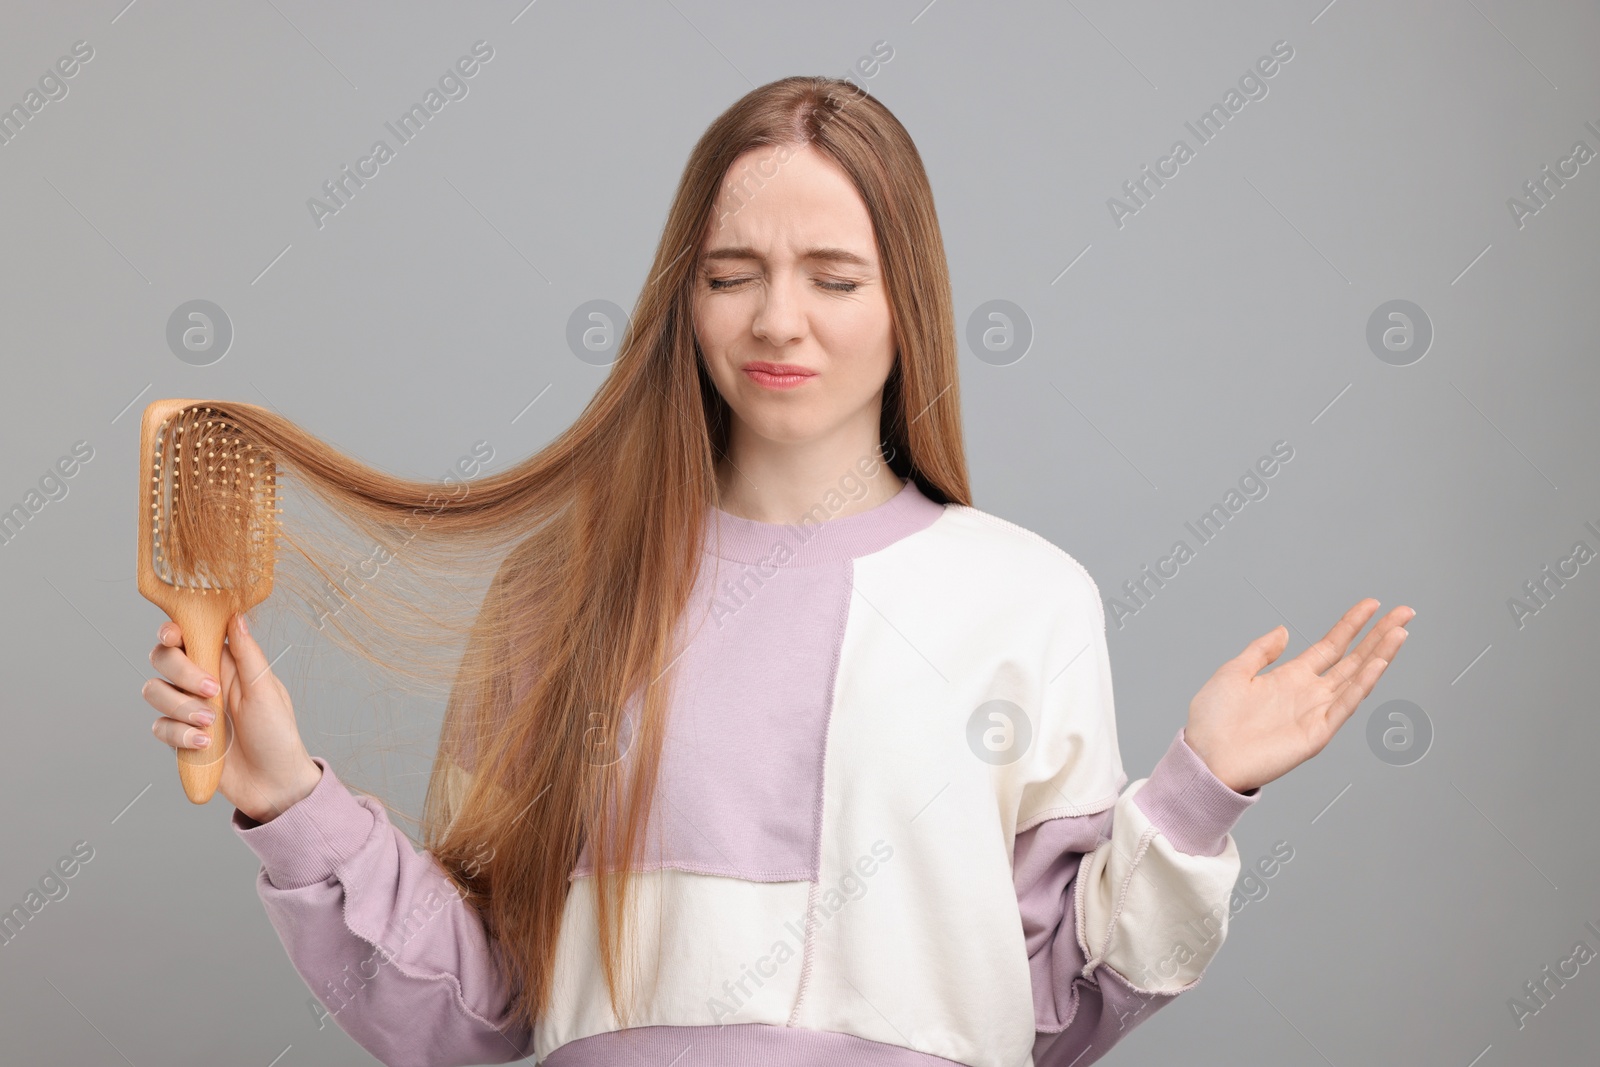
(586, 552)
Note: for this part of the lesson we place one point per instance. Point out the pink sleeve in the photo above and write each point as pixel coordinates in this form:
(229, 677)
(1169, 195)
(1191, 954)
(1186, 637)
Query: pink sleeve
(379, 933)
(1078, 1019)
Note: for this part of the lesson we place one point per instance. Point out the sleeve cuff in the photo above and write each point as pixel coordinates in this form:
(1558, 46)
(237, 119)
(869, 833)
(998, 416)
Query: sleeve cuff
(1192, 807)
(309, 841)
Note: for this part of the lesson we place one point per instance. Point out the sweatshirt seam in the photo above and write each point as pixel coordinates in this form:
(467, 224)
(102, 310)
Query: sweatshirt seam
(1121, 899)
(762, 877)
(823, 561)
(1030, 535)
(841, 622)
(1068, 811)
(1092, 963)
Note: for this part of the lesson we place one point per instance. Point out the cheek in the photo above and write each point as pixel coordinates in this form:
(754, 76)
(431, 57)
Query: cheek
(716, 324)
(716, 329)
(861, 353)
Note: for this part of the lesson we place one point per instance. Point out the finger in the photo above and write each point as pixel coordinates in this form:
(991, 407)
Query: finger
(175, 703)
(1344, 705)
(250, 663)
(174, 663)
(169, 633)
(1364, 679)
(229, 672)
(1262, 651)
(1350, 666)
(178, 735)
(1326, 652)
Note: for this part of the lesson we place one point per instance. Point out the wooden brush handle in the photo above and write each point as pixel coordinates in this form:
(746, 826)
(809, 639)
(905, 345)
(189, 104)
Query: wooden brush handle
(204, 621)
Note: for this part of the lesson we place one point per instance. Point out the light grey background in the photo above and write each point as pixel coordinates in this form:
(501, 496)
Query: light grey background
(1228, 314)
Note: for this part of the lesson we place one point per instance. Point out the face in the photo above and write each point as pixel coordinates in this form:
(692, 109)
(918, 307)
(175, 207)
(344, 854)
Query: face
(789, 274)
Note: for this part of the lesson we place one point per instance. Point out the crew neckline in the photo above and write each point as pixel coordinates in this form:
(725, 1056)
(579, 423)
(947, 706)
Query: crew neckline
(744, 540)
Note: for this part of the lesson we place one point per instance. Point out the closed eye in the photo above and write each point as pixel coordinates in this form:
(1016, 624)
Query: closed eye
(723, 284)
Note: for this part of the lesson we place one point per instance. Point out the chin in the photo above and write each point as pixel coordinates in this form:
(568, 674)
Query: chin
(783, 431)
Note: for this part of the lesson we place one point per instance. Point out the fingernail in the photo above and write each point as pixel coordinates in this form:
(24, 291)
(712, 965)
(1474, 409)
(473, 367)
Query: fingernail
(205, 718)
(202, 741)
(209, 687)
(244, 627)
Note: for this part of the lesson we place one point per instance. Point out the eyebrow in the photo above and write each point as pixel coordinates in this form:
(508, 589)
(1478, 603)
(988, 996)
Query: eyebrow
(826, 254)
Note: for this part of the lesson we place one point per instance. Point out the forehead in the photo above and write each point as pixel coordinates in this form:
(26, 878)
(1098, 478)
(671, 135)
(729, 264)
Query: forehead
(785, 199)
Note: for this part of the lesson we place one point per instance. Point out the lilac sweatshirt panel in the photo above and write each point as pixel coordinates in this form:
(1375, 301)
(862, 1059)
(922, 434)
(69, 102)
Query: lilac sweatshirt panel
(741, 759)
(735, 1045)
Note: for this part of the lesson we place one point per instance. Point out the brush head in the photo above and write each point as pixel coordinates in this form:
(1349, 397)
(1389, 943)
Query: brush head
(209, 505)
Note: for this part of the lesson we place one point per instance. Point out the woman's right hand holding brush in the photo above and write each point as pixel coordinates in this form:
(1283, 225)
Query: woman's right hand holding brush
(267, 766)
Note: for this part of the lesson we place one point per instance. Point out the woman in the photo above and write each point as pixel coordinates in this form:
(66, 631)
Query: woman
(751, 662)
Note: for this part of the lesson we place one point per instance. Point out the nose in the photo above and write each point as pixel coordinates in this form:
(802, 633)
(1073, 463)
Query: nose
(779, 318)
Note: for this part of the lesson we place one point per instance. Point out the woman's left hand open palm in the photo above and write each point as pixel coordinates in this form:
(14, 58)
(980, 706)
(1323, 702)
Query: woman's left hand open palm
(1251, 728)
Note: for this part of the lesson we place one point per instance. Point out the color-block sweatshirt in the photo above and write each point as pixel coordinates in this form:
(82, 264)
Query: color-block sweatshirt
(892, 828)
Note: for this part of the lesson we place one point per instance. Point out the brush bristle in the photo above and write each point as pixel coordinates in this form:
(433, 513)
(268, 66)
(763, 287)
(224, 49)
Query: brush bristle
(213, 502)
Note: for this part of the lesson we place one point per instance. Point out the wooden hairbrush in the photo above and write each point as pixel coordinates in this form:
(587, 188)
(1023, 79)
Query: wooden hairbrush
(208, 507)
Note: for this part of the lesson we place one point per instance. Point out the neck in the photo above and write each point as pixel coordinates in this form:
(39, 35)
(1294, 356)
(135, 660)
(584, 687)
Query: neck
(778, 483)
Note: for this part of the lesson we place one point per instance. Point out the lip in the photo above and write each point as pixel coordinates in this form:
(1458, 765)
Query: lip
(777, 375)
